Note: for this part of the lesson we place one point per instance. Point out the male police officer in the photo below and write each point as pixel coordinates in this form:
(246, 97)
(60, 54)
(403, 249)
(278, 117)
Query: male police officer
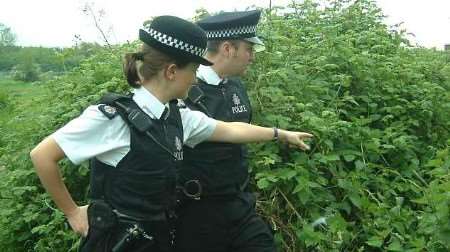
(217, 213)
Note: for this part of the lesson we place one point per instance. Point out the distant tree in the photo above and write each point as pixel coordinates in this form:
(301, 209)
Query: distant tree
(9, 57)
(71, 57)
(26, 69)
(7, 37)
(199, 14)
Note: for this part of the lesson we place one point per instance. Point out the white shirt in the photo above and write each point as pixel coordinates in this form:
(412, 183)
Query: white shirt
(92, 134)
(208, 75)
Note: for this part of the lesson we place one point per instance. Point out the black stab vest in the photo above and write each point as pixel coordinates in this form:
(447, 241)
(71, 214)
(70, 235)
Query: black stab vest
(222, 168)
(143, 183)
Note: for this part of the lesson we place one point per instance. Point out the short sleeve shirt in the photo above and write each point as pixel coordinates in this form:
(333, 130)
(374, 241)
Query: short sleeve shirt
(92, 134)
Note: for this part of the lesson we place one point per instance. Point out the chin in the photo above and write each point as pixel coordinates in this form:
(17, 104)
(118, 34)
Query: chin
(242, 73)
(184, 96)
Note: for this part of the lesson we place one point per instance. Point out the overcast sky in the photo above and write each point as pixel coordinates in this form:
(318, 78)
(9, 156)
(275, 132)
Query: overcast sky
(55, 22)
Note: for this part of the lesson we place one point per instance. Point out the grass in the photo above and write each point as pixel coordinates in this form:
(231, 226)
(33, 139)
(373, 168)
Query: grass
(20, 105)
(21, 100)
(20, 89)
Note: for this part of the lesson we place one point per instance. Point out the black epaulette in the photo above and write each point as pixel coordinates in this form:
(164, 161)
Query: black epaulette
(108, 111)
(107, 104)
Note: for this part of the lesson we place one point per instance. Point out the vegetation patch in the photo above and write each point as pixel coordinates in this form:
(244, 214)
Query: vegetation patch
(376, 179)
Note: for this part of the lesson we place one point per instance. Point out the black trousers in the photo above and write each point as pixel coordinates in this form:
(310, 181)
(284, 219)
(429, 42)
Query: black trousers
(222, 225)
(105, 240)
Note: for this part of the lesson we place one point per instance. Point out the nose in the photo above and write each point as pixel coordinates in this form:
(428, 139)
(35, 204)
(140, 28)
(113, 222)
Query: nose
(252, 57)
(251, 54)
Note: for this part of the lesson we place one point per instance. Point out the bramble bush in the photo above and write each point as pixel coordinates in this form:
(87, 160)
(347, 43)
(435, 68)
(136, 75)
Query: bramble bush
(379, 110)
(376, 179)
(3, 100)
(29, 217)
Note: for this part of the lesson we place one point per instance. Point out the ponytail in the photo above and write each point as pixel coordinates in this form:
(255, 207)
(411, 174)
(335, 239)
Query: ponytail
(130, 68)
(146, 64)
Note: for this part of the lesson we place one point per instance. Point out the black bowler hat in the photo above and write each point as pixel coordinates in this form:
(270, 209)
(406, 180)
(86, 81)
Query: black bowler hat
(176, 37)
(232, 25)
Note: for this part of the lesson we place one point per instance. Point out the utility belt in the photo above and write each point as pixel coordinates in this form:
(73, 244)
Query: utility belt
(193, 190)
(111, 230)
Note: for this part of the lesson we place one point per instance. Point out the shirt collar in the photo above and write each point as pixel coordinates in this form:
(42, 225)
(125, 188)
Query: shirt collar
(208, 75)
(149, 103)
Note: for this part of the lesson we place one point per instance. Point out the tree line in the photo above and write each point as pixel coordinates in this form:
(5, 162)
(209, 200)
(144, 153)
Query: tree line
(28, 63)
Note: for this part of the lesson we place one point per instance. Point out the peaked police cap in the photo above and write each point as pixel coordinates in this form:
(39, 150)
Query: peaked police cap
(176, 37)
(232, 25)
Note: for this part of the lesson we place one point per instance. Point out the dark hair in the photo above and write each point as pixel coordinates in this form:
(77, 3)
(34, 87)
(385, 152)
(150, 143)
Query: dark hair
(152, 61)
(213, 45)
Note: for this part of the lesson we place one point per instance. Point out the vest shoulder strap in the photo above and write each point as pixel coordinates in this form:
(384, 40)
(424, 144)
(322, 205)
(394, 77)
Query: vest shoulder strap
(110, 98)
(128, 110)
(195, 96)
(106, 104)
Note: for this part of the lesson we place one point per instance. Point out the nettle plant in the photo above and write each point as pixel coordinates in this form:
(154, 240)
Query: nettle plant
(376, 178)
(379, 109)
(29, 218)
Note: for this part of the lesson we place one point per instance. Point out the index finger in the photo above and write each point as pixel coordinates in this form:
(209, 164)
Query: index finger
(305, 135)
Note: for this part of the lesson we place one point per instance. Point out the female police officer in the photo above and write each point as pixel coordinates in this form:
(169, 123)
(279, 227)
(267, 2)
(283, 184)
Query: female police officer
(135, 144)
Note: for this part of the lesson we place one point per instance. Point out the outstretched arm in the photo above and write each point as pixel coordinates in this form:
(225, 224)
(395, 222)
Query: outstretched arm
(45, 157)
(237, 132)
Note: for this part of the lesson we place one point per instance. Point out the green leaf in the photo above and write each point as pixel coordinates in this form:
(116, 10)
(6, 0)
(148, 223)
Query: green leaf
(263, 183)
(287, 173)
(395, 246)
(359, 165)
(309, 236)
(332, 157)
(349, 158)
(374, 241)
(355, 199)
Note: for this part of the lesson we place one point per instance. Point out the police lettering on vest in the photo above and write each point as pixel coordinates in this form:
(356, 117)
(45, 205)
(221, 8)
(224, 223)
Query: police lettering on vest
(238, 107)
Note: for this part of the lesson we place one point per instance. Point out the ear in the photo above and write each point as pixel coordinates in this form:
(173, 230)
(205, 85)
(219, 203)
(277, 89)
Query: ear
(170, 71)
(226, 48)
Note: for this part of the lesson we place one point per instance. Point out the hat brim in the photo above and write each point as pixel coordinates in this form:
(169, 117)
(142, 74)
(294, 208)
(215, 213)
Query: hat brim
(254, 40)
(258, 44)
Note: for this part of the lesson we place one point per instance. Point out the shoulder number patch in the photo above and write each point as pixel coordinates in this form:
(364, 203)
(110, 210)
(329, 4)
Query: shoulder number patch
(108, 111)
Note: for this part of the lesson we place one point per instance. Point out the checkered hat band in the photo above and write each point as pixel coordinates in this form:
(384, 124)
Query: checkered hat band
(176, 43)
(231, 32)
